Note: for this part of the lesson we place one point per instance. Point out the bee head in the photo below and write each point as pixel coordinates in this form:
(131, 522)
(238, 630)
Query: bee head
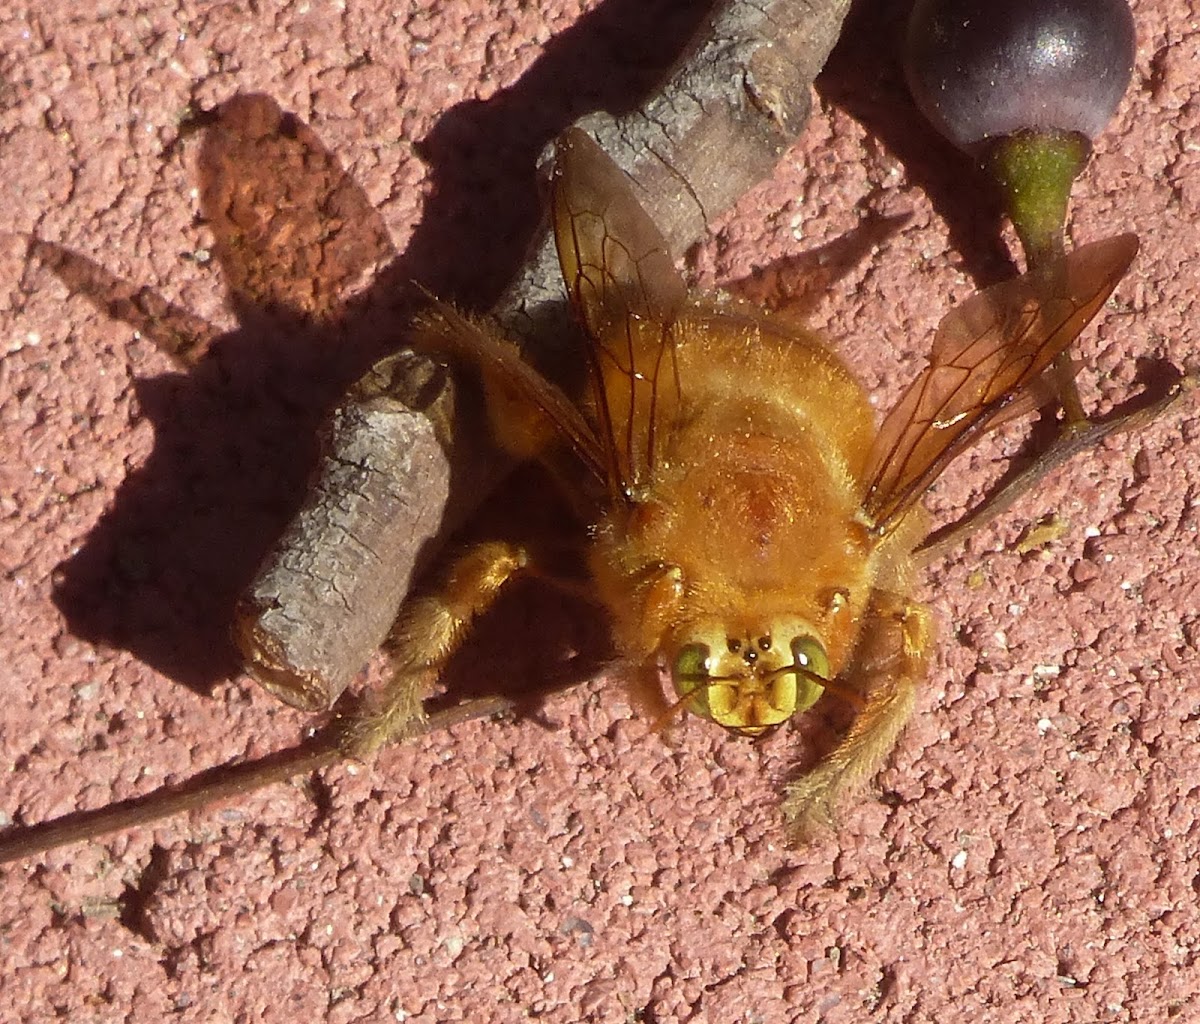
(750, 681)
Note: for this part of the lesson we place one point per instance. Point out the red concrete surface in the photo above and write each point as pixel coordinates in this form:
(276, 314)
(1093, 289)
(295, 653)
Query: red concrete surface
(1035, 855)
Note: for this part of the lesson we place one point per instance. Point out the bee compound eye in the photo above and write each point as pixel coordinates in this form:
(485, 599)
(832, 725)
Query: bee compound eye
(810, 656)
(690, 669)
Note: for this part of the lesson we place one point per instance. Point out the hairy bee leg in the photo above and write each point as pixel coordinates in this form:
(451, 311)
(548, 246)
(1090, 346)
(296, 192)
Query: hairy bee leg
(894, 662)
(427, 633)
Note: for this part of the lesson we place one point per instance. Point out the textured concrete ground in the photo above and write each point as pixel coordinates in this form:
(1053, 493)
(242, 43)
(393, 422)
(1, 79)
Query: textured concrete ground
(1031, 854)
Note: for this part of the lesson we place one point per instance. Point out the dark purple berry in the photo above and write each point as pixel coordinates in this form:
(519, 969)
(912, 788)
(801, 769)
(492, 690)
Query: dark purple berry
(984, 68)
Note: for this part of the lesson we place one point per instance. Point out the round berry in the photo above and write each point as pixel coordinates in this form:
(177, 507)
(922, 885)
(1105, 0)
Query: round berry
(985, 68)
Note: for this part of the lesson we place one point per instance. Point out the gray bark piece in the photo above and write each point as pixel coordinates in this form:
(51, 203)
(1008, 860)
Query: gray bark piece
(329, 592)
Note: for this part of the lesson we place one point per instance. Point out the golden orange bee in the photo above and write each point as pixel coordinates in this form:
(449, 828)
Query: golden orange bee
(752, 533)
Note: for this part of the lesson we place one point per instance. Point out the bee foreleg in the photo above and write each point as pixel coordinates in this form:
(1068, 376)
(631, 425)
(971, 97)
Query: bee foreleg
(427, 633)
(893, 662)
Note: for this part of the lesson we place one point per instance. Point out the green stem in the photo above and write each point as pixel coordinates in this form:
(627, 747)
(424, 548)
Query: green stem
(1035, 171)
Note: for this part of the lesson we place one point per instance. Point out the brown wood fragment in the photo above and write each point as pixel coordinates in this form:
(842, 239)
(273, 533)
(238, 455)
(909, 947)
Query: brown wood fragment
(330, 589)
(717, 127)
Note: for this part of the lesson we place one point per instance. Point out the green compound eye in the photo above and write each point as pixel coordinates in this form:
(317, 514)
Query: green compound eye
(691, 675)
(691, 668)
(810, 657)
(749, 686)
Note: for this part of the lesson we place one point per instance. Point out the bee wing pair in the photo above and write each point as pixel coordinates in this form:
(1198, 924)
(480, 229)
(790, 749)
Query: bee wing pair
(989, 352)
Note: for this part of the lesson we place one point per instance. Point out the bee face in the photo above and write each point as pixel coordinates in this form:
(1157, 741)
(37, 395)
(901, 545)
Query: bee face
(750, 681)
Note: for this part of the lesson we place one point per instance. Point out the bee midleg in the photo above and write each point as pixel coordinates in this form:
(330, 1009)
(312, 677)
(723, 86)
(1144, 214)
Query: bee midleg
(427, 633)
(892, 662)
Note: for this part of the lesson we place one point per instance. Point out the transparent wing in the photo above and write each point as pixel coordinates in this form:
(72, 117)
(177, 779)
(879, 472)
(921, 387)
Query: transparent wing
(623, 285)
(986, 354)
